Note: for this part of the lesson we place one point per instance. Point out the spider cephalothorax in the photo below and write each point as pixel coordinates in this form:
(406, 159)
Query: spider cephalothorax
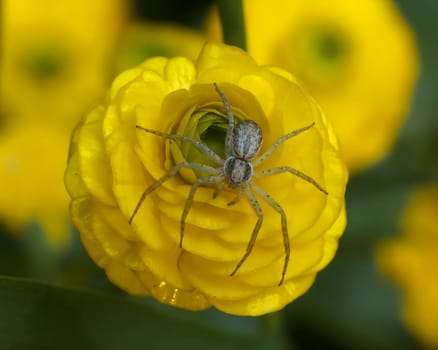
(242, 144)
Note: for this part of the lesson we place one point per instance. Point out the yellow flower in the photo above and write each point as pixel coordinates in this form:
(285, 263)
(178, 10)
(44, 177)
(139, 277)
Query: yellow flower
(32, 162)
(411, 260)
(111, 163)
(358, 59)
(56, 57)
(143, 40)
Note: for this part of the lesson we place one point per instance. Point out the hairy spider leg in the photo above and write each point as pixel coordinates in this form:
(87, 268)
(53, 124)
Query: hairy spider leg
(258, 210)
(277, 143)
(190, 198)
(218, 189)
(277, 207)
(283, 169)
(199, 145)
(170, 173)
(230, 128)
(237, 198)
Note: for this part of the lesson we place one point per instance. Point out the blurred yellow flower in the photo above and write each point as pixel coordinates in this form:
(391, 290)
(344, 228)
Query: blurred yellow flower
(56, 60)
(144, 40)
(358, 58)
(56, 57)
(411, 260)
(111, 163)
(32, 162)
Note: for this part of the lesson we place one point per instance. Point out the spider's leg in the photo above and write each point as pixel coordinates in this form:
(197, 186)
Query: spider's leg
(230, 128)
(284, 169)
(238, 197)
(262, 193)
(202, 181)
(218, 189)
(199, 145)
(277, 143)
(171, 172)
(258, 210)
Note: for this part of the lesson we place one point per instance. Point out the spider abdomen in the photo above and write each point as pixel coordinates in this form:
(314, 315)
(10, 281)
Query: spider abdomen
(247, 140)
(237, 171)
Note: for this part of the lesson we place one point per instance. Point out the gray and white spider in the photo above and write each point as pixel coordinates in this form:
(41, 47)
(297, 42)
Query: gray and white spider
(242, 144)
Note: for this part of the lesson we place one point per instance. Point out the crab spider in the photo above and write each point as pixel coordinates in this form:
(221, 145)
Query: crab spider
(242, 144)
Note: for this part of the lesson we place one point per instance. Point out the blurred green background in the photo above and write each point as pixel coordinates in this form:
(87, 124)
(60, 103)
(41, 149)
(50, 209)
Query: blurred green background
(66, 302)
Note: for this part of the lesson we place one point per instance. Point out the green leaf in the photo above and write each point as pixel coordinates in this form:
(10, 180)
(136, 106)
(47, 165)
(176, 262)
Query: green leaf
(38, 316)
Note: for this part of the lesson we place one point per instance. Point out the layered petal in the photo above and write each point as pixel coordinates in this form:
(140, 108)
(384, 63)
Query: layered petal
(135, 235)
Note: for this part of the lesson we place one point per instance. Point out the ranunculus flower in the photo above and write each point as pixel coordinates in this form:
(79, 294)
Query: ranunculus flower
(411, 261)
(112, 162)
(56, 59)
(357, 58)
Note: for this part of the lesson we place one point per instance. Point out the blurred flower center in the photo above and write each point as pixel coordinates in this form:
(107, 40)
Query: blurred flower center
(319, 55)
(44, 63)
(329, 47)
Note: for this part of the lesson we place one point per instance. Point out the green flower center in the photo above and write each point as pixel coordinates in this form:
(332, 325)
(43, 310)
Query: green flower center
(207, 125)
(329, 47)
(44, 63)
(212, 132)
(320, 56)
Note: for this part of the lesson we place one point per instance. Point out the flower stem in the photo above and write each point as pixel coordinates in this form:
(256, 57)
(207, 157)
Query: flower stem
(233, 23)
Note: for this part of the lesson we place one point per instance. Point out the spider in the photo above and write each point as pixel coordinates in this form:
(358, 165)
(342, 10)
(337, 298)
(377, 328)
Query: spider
(242, 144)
